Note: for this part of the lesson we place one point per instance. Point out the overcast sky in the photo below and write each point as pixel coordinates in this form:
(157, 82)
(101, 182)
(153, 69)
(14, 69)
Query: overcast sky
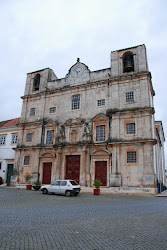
(37, 34)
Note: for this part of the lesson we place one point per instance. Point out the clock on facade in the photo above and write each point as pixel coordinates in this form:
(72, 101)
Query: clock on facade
(77, 72)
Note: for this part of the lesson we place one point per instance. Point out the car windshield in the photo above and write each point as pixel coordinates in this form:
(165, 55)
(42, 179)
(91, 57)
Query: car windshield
(74, 183)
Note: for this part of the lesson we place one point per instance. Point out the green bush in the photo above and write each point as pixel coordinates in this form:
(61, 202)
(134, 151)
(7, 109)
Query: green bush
(97, 183)
(28, 177)
(37, 183)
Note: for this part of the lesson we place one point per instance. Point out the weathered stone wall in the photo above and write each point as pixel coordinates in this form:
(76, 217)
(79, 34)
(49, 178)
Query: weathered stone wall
(75, 130)
(114, 94)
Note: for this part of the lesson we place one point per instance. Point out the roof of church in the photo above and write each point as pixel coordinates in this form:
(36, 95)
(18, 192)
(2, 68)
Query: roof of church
(10, 123)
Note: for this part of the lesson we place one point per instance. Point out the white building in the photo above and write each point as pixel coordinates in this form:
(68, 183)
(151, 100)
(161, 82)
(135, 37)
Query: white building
(160, 157)
(8, 141)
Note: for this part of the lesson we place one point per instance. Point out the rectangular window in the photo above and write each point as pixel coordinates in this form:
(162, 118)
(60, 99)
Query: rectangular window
(32, 111)
(14, 139)
(0, 165)
(101, 102)
(52, 109)
(130, 96)
(100, 133)
(130, 128)
(29, 137)
(2, 139)
(75, 101)
(26, 160)
(131, 157)
(50, 135)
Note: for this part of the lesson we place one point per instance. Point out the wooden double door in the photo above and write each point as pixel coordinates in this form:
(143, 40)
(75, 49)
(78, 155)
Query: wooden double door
(73, 167)
(101, 171)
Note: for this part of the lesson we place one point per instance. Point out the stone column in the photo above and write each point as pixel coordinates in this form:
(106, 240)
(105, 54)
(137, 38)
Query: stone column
(58, 163)
(83, 167)
(115, 178)
(87, 167)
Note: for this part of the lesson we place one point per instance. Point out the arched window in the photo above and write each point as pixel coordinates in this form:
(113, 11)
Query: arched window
(36, 82)
(128, 62)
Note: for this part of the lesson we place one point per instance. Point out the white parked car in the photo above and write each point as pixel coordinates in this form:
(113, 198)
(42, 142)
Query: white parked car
(67, 187)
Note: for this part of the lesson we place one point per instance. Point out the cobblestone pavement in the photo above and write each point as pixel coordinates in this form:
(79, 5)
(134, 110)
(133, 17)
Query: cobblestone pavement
(31, 220)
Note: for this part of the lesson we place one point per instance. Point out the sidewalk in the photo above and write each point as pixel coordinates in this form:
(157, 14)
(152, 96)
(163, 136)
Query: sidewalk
(109, 190)
(122, 190)
(163, 194)
(3, 185)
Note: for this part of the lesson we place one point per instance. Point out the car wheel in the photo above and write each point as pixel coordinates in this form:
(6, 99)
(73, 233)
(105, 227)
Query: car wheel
(45, 191)
(68, 193)
(76, 194)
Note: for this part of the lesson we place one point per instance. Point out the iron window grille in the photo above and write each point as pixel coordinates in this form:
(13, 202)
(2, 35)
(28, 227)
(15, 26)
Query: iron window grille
(75, 102)
(131, 157)
(14, 139)
(100, 133)
(50, 135)
(52, 109)
(2, 140)
(26, 160)
(130, 128)
(29, 137)
(32, 111)
(101, 102)
(130, 96)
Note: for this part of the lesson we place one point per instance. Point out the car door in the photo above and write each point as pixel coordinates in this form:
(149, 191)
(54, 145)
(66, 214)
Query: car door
(55, 187)
(63, 187)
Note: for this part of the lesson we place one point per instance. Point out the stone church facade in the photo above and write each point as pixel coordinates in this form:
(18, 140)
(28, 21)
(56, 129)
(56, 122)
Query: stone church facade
(90, 125)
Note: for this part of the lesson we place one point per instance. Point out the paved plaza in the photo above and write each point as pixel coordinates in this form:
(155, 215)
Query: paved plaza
(31, 220)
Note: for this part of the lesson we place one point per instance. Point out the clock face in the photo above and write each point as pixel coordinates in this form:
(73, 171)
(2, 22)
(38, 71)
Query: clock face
(77, 72)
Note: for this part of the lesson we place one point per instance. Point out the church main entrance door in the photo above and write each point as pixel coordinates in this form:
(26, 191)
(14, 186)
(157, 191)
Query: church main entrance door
(73, 167)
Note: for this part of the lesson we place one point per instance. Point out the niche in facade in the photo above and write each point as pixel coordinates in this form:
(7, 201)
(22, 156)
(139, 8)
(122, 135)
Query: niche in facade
(128, 62)
(36, 82)
(74, 135)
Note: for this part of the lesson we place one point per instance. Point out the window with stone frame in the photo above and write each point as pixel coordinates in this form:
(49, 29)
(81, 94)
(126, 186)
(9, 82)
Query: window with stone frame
(50, 136)
(101, 102)
(130, 96)
(130, 128)
(26, 160)
(29, 137)
(100, 133)
(131, 157)
(32, 111)
(75, 102)
(14, 139)
(2, 139)
(52, 110)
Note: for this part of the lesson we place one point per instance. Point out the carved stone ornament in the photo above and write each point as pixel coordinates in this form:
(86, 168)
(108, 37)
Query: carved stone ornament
(74, 135)
(87, 133)
(100, 117)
